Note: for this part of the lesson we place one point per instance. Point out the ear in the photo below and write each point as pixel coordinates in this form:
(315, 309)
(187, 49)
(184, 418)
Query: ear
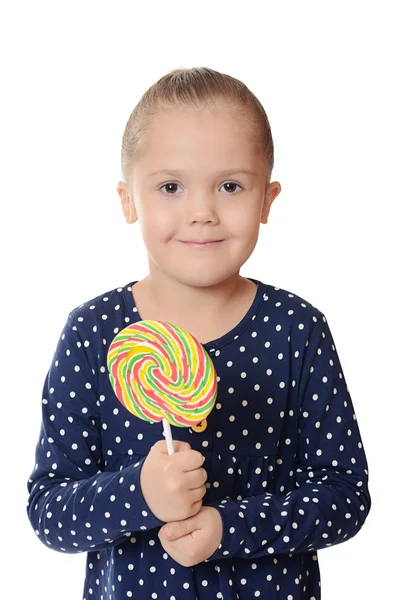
(272, 192)
(127, 203)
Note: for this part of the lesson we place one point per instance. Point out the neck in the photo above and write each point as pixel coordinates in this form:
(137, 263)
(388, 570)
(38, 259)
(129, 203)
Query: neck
(175, 297)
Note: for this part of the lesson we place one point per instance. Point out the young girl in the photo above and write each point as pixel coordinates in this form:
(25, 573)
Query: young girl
(277, 471)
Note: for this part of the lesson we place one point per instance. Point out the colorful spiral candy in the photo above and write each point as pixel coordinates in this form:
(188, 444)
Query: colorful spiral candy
(159, 371)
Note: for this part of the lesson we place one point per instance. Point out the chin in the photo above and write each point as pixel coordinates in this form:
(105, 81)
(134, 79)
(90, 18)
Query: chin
(204, 278)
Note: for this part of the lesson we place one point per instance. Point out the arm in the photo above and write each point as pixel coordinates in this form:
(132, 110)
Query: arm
(331, 500)
(73, 505)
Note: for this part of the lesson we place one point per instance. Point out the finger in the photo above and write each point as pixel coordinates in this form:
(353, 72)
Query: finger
(195, 479)
(177, 529)
(198, 493)
(196, 507)
(181, 446)
(189, 461)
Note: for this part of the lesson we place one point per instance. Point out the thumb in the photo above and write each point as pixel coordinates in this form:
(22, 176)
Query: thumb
(177, 529)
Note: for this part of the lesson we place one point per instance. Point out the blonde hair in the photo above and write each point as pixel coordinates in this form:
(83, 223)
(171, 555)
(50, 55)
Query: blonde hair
(197, 87)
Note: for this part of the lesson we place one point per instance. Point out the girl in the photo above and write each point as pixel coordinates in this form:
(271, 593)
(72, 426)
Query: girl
(278, 470)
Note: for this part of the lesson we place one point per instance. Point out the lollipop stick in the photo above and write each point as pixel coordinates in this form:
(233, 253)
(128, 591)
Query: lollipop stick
(168, 436)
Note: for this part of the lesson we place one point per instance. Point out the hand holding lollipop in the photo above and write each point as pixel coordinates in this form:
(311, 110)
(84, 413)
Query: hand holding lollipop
(160, 372)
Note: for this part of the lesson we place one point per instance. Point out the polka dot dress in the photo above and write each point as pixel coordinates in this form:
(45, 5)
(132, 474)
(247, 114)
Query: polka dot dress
(285, 461)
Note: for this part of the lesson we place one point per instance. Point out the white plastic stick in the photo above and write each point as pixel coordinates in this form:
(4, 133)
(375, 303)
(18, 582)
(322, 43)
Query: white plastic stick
(168, 436)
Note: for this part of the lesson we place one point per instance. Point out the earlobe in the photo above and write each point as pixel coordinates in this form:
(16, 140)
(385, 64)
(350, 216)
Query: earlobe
(264, 218)
(265, 210)
(132, 216)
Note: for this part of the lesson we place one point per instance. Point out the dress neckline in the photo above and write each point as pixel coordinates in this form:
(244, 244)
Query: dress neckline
(225, 339)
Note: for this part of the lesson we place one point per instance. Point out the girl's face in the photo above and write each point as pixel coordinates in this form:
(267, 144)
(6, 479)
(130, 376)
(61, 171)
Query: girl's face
(188, 185)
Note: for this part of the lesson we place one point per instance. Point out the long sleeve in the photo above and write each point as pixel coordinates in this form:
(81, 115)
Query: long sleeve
(73, 505)
(331, 500)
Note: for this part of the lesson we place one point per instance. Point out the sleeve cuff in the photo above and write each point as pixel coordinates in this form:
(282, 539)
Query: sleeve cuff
(232, 529)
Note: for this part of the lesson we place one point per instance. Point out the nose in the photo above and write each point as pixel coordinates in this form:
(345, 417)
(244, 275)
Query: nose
(201, 209)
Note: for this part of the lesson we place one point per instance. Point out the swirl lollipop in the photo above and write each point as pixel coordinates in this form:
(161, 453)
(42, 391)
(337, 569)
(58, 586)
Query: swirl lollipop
(160, 372)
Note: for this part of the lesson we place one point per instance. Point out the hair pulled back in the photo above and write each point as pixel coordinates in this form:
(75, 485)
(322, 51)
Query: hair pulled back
(197, 87)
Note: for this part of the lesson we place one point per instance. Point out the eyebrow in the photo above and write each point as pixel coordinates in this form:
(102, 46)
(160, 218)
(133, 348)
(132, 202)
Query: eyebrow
(222, 173)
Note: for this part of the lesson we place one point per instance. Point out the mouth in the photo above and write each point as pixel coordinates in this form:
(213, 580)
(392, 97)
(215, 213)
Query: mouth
(201, 244)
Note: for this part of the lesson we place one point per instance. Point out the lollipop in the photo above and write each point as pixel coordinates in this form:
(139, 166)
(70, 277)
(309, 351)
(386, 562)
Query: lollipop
(160, 372)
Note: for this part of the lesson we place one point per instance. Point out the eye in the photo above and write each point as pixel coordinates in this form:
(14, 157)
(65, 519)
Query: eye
(168, 185)
(172, 183)
(231, 183)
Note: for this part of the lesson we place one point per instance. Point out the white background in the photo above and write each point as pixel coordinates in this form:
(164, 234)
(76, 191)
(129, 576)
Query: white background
(325, 73)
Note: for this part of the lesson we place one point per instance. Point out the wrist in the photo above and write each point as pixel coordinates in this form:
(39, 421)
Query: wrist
(216, 527)
(142, 490)
(229, 544)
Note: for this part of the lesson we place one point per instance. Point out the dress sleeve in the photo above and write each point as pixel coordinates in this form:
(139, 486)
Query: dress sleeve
(75, 506)
(331, 500)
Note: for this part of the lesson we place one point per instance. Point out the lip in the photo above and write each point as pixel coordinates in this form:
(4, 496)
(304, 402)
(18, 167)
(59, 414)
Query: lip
(201, 244)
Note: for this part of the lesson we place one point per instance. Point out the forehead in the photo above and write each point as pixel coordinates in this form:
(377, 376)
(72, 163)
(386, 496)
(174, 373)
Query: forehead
(207, 135)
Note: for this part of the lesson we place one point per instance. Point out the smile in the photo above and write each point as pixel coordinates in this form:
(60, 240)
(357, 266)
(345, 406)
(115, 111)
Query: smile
(202, 244)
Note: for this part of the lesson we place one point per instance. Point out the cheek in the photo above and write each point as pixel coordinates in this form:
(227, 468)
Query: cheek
(243, 223)
(156, 224)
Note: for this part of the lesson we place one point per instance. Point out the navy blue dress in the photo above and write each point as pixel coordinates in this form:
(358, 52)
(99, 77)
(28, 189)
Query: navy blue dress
(285, 461)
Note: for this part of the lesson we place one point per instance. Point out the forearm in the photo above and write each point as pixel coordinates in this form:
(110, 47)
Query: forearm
(314, 516)
(89, 514)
